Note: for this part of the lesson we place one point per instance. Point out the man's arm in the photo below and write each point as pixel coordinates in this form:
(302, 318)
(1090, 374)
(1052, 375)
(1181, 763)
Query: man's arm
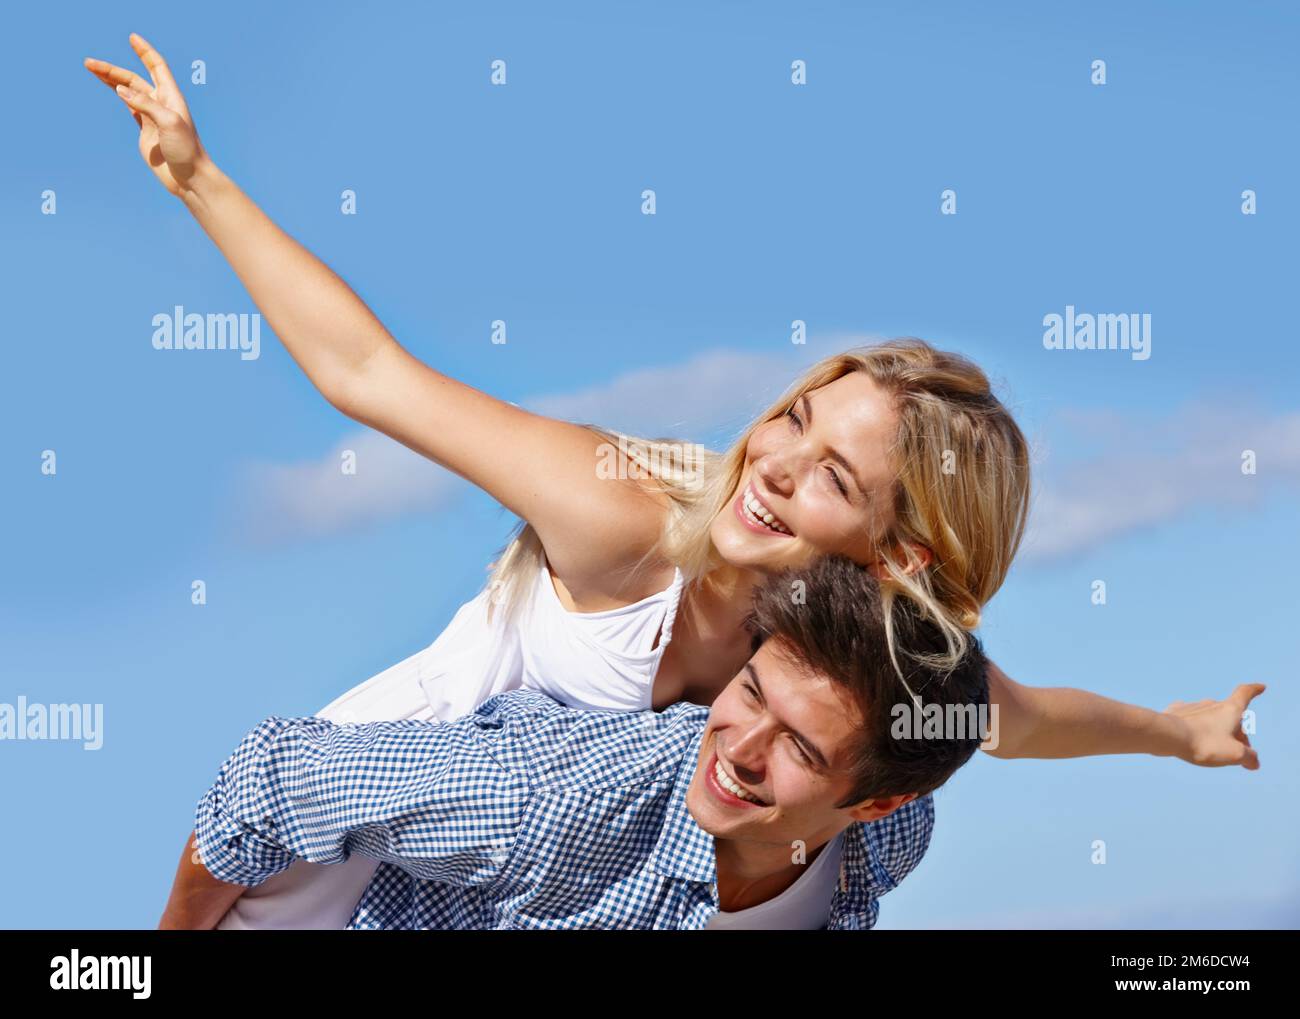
(1057, 722)
(198, 900)
(430, 797)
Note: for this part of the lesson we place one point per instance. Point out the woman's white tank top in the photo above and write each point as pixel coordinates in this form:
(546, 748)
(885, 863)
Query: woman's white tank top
(599, 660)
(604, 661)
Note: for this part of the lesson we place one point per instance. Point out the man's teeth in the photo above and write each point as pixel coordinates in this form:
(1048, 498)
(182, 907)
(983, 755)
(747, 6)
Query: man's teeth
(760, 515)
(724, 780)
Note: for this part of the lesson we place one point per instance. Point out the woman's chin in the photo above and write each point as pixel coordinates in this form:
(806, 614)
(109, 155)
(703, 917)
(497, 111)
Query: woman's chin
(733, 547)
(737, 547)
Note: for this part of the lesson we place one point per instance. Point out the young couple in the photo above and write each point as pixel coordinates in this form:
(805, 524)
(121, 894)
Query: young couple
(628, 595)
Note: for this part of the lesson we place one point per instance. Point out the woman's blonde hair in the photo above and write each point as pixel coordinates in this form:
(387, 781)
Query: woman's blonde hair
(961, 489)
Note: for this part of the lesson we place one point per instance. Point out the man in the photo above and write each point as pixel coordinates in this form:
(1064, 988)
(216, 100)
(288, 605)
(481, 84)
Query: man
(526, 813)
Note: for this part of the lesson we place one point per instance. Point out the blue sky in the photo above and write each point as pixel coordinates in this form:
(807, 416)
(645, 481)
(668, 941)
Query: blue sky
(774, 203)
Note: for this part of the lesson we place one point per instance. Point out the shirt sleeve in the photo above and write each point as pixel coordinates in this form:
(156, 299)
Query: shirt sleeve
(429, 797)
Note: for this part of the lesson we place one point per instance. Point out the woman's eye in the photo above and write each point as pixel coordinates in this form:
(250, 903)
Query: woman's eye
(796, 423)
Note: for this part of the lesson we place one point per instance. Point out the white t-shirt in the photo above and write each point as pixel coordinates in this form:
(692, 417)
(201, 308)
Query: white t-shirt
(804, 906)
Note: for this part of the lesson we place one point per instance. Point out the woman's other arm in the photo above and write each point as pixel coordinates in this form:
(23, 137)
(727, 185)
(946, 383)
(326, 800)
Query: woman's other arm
(1057, 722)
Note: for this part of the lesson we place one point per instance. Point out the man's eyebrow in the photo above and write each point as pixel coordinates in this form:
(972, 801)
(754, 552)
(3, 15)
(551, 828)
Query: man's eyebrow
(808, 744)
(833, 453)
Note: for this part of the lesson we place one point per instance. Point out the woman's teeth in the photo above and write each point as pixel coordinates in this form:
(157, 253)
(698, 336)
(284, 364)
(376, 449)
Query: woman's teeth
(755, 511)
(724, 780)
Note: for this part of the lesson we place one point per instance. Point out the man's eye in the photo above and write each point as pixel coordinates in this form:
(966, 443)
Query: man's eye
(753, 694)
(799, 750)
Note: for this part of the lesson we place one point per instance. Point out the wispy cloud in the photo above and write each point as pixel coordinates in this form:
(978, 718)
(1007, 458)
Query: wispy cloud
(1142, 471)
(717, 391)
(713, 394)
(315, 498)
(1126, 471)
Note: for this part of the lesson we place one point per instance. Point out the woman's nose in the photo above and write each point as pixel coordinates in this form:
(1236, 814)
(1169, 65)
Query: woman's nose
(776, 472)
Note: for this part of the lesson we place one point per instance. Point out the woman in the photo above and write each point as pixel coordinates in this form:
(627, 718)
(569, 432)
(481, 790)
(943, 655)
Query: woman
(629, 592)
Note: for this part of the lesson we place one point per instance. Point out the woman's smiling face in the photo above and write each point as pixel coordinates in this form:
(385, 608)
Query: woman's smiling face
(816, 481)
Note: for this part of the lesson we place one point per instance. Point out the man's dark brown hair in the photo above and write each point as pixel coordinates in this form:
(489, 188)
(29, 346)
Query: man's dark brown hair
(829, 620)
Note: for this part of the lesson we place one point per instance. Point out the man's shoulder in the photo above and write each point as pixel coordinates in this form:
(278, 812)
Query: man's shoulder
(543, 710)
(897, 842)
(559, 745)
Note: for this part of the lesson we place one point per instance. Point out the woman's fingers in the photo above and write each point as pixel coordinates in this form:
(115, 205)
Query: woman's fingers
(163, 86)
(144, 103)
(158, 68)
(1245, 693)
(112, 75)
(1240, 699)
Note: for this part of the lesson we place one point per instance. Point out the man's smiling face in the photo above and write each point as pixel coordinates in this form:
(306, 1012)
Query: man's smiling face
(775, 757)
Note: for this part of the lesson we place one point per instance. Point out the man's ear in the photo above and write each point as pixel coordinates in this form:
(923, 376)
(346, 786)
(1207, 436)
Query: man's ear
(920, 559)
(880, 806)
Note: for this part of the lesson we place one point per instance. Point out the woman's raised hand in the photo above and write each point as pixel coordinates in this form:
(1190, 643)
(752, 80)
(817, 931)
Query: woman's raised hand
(168, 142)
(542, 469)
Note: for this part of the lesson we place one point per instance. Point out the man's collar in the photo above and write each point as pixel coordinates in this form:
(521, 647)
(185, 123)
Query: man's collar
(685, 850)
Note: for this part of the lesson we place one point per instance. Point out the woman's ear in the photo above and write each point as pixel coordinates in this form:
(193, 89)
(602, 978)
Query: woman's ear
(919, 559)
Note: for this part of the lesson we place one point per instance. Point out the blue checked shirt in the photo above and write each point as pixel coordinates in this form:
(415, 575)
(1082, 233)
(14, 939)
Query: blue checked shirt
(522, 814)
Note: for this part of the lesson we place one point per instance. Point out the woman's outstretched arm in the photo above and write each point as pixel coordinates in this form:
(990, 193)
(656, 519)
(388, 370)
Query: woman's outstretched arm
(1056, 722)
(543, 470)
(327, 329)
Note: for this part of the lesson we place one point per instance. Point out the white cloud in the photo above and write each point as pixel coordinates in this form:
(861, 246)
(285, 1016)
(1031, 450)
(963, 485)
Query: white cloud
(1143, 472)
(315, 498)
(717, 390)
(1134, 471)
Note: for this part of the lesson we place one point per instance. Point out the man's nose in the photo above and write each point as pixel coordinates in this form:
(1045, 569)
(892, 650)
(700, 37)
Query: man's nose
(748, 756)
(747, 774)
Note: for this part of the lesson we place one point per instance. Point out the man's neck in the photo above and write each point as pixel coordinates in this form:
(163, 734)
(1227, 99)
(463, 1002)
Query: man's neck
(750, 874)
